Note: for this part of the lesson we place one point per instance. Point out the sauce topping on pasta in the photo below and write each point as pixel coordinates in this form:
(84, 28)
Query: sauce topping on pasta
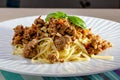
(58, 39)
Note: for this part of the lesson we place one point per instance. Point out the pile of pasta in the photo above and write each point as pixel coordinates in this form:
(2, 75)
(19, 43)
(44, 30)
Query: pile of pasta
(57, 40)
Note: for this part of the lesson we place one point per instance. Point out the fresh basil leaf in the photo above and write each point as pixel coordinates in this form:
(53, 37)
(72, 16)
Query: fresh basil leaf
(61, 14)
(51, 15)
(56, 15)
(77, 21)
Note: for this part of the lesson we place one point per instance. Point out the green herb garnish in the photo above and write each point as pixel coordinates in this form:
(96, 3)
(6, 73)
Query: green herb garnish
(73, 19)
(56, 15)
(77, 21)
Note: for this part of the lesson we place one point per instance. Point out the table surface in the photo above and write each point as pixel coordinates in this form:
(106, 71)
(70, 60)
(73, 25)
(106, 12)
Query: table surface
(12, 13)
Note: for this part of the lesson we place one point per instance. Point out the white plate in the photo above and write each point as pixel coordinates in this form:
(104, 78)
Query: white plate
(108, 30)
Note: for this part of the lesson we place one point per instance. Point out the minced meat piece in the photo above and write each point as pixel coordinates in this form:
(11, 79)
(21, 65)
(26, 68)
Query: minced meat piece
(18, 35)
(39, 21)
(29, 34)
(52, 58)
(30, 50)
(19, 30)
(61, 42)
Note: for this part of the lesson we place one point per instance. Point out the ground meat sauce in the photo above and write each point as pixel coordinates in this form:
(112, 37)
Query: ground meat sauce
(30, 49)
(61, 31)
(18, 35)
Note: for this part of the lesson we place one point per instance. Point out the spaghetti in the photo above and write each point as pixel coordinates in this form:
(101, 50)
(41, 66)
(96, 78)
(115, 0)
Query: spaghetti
(57, 40)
